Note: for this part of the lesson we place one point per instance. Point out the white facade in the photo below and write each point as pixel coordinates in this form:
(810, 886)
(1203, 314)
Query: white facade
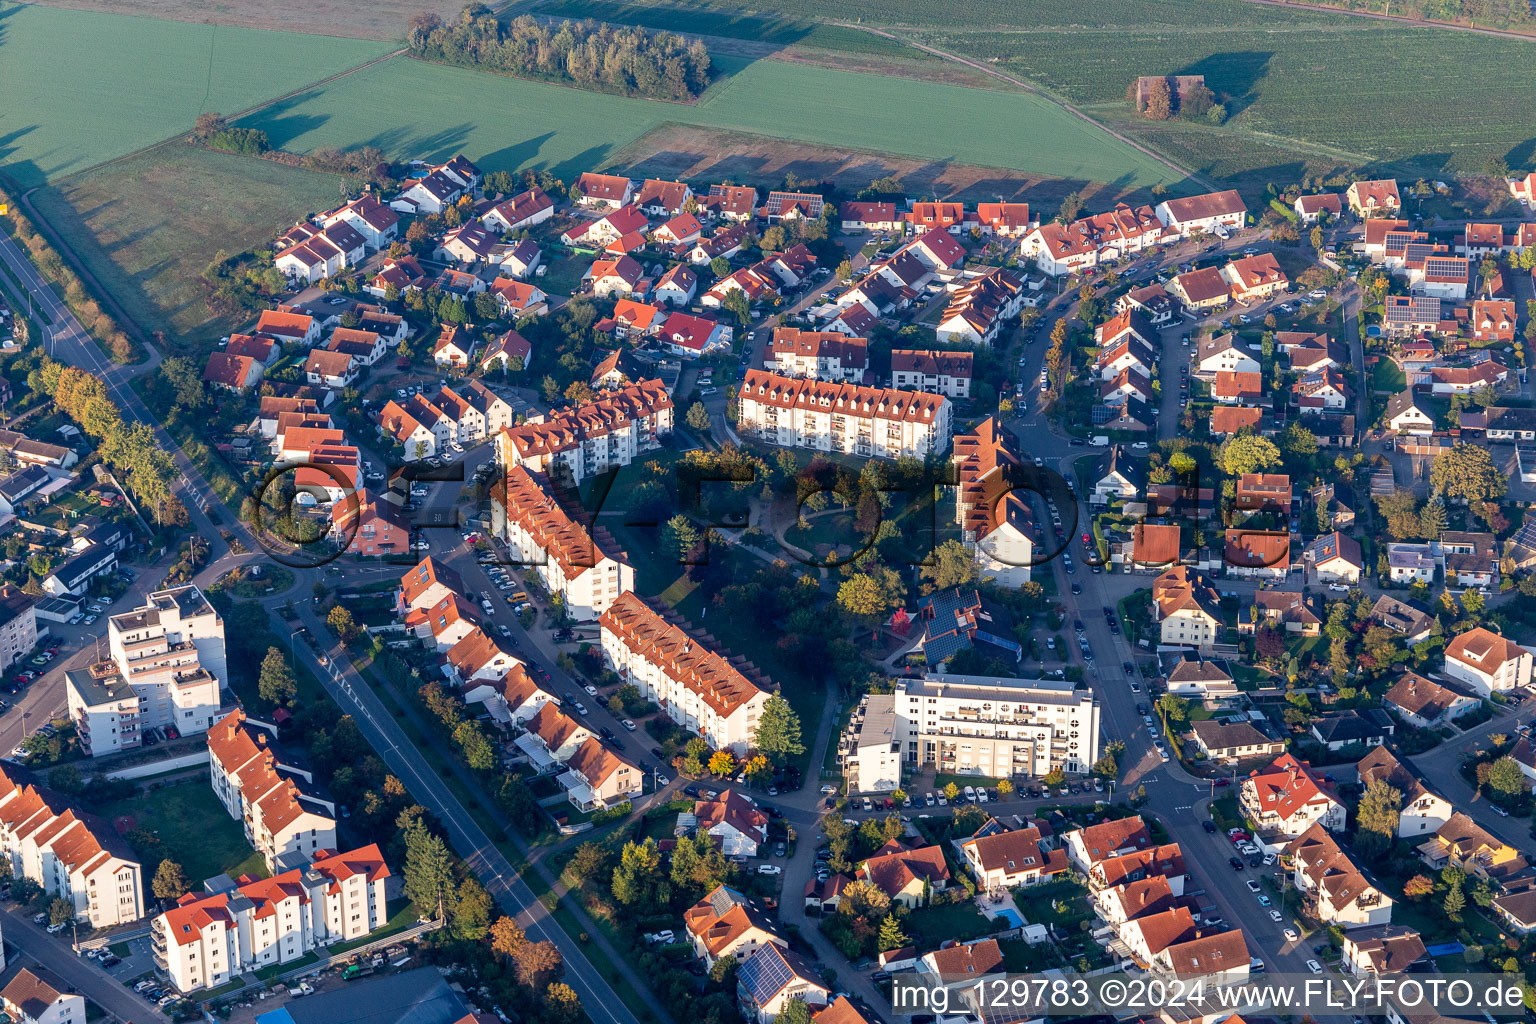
(171, 651)
(825, 416)
(579, 443)
(698, 688)
(979, 725)
(286, 824)
(202, 943)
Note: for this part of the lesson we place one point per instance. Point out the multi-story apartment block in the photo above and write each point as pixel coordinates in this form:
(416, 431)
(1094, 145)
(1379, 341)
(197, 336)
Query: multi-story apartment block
(996, 727)
(1487, 661)
(994, 518)
(1287, 799)
(820, 355)
(825, 416)
(574, 444)
(286, 822)
(205, 940)
(169, 654)
(935, 371)
(104, 708)
(73, 856)
(701, 689)
(18, 625)
(539, 531)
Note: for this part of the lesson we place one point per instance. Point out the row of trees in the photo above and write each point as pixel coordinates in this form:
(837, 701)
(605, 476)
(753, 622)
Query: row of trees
(595, 55)
(131, 450)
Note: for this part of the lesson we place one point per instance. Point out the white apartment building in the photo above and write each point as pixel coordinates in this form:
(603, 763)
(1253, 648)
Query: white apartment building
(284, 821)
(104, 708)
(826, 416)
(171, 651)
(820, 355)
(204, 941)
(868, 751)
(574, 444)
(699, 688)
(1487, 662)
(18, 625)
(79, 860)
(980, 725)
(1286, 799)
(540, 532)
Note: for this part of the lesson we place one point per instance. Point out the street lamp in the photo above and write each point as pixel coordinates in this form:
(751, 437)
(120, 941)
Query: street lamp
(291, 655)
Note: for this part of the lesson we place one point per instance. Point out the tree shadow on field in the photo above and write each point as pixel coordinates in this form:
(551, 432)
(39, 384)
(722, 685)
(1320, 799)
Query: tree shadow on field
(513, 158)
(434, 147)
(586, 160)
(1233, 76)
(282, 125)
(1518, 158)
(8, 146)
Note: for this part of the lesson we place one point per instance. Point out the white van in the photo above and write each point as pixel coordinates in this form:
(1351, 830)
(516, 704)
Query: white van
(1100, 441)
(970, 794)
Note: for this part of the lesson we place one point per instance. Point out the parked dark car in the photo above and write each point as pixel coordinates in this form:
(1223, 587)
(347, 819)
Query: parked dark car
(1210, 826)
(1237, 864)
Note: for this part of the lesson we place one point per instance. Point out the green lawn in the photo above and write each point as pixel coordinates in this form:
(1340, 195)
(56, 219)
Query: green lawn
(955, 921)
(196, 830)
(1387, 377)
(411, 108)
(82, 87)
(148, 225)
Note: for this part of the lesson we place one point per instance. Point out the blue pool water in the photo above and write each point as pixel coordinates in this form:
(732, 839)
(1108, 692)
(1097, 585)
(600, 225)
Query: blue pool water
(1012, 916)
(1373, 331)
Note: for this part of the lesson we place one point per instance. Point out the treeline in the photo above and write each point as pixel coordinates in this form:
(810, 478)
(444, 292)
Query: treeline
(131, 450)
(1514, 14)
(367, 163)
(52, 266)
(591, 54)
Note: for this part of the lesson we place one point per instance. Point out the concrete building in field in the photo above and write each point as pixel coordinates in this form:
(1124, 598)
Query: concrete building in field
(704, 691)
(826, 416)
(205, 940)
(980, 725)
(72, 855)
(576, 444)
(540, 531)
(285, 818)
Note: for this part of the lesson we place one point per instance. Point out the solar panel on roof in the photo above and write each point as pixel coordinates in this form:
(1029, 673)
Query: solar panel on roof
(766, 973)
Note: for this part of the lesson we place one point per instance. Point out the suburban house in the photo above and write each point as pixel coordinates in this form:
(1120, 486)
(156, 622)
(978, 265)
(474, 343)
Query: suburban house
(1257, 554)
(1286, 610)
(820, 355)
(524, 210)
(1407, 413)
(1233, 740)
(1336, 558)
(1186, 608)
(734, 821)
(1200, 679)
(726, 923)
(1378, 198)
(1213, 213)
(1287, 799)
(1116, 476)
(604, 190)
(1007, 860)
(1255, 278)
(773, 975)
(1422, 811)
(1336, 891)
(1087, 847)
(1367, 727)
(1426, 704)
(1224, 353)
(944, 373)
(907, 875)
(235, 372)
(36, 996)
(1473, 849)
(1312, 208)
(335, 370)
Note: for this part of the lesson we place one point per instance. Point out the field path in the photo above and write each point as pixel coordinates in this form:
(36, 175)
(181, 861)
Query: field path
(1036, 90)
(1401, 19)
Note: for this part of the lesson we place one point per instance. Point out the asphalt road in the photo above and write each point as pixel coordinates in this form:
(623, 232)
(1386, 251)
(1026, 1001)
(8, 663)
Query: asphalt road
(79, 973)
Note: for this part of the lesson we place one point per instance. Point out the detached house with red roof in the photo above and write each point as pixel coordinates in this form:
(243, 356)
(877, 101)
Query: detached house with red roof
(979, 308)
(606, 229)
(860, 216)
(1287, 799)
(1212, 213)
(377, 223)
(676, 287)
(294, 327)
(234, 372)
(734, 821)
(907, 876)
(1378, 198)
(1312, 208)
(663, 198)
(205, 940)
(820, 355)
(1494, 320)
(524, 210)
(1257, 277)
(704, 691)
(1087, 847)
(726, 923)
(453, 346)
(737, 203)
(604, 190)
(335, 370)
(285, 818)
(692, 336)
(519, 298)
(1007, 860)
(620, 277)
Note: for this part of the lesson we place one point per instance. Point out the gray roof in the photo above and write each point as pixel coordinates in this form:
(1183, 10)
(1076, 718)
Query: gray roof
(415, 997)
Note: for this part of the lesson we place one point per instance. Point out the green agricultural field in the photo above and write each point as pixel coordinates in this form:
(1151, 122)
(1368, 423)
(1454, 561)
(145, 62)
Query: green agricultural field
(82, 87)
(146, 226)
(1304, 86)
(410, 108)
